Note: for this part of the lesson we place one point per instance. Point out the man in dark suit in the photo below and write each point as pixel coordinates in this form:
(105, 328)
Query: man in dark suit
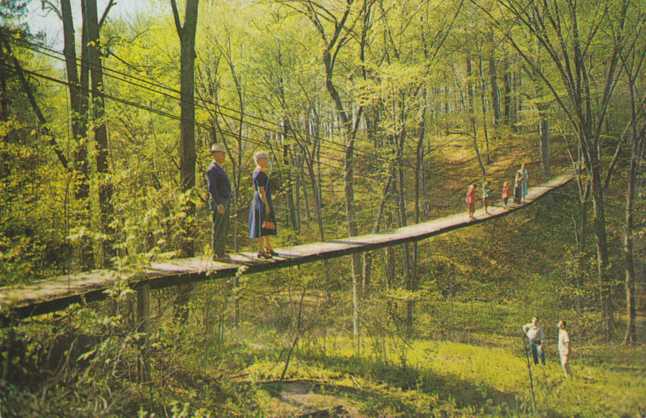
(219, 197)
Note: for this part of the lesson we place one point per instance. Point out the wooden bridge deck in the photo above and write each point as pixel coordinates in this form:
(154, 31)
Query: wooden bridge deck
(59, 292)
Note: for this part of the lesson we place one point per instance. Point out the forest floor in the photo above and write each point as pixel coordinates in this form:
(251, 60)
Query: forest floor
(427, 377)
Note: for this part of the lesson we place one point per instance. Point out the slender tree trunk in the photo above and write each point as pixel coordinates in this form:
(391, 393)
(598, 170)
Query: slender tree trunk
(507, 104)
(4, 97)
(419, 183)
(302, 185)
(69, 51)
(521, 97)
(186, 33)
(636, 151)
(544, 130)
(493, 77)
(79, 90)
(348, 180)
(471, 111)
(144, 327)
(599, 227)
(483, 102)
(100, 130)
(411, 282)
(287, 159)
(447, 109)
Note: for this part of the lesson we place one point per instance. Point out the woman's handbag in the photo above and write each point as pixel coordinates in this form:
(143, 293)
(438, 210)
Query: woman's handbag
(268, 225)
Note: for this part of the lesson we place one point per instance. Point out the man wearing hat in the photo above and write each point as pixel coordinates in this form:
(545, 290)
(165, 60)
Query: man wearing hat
(220, 194)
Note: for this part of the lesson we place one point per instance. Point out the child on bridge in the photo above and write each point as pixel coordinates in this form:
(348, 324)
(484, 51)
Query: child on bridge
(470, 200)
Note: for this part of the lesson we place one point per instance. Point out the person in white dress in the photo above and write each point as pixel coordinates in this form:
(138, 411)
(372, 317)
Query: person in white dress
(564, 348)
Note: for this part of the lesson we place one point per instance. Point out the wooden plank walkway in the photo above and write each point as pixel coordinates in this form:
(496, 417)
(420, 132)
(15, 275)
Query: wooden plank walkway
(57, 293)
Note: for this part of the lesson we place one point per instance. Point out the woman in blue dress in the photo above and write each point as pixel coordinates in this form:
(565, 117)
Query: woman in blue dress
(262, 221)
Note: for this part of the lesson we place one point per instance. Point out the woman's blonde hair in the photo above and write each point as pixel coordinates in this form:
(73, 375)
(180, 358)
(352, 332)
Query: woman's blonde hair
(260, 155)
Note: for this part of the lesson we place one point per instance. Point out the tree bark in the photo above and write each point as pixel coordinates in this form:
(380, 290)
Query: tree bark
(599, 227)
(186, 34)
(79, 98)
(100, 129)
(144, 327)
(636, 151)
(493, 77)
(348, 180)
(544, 130)
(507, 104)
(76, 98)
(483, 93)
(4, 96)
(471, 111)
(289, 186)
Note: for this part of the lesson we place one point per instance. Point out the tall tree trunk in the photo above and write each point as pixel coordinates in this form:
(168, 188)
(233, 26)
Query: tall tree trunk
(419, 184)
(69, 51)
(100, 130)
(4, 97)
(367, 256)
(287, 159)
(348, 180)
(636, 151)
(507, 104)
(599, 227)
(516, 99)
(493, 77)
(471, 111)
(78, 94)
(483, 102)
(186, 33)
(544, 130)
(447, 109)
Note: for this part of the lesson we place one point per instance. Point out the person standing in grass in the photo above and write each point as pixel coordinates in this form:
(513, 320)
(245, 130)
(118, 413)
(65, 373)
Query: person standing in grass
(505, 193)
(536, 337)
(470, 200)
(486, 194)
(564, 348)
(262, 221)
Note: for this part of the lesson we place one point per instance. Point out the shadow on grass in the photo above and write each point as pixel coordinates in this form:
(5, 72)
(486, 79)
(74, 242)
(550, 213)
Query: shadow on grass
(450, 388)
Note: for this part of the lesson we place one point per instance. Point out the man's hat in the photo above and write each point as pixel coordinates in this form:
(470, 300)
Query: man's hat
(217, 148)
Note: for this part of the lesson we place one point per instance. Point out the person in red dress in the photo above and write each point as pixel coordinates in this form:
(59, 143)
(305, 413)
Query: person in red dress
(471, 201)
(505, 193)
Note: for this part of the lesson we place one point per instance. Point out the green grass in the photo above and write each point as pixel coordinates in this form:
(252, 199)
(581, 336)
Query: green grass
(463, 379)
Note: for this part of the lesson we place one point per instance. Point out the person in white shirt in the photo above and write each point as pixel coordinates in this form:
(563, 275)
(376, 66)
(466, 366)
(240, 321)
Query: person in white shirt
(536, 338)
(564, 348)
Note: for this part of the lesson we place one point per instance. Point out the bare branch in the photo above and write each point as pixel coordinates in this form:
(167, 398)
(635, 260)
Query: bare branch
(47, 5)
(178, 23)
(110, 5)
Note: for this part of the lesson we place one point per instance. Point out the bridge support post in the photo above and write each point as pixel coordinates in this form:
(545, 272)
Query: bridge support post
(143, 326)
